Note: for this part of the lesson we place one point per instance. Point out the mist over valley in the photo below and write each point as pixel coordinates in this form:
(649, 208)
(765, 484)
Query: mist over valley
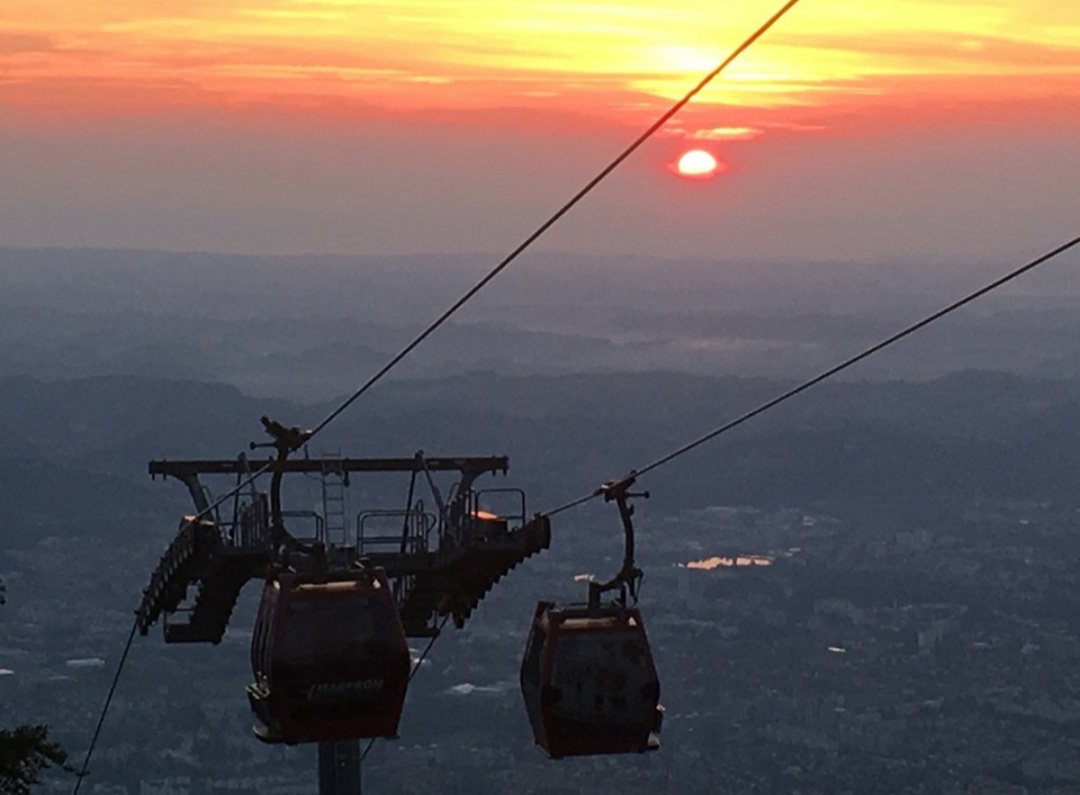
(910, 624)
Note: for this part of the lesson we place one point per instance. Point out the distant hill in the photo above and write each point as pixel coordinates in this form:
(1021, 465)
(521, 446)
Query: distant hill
(307, 328)
(963, 437)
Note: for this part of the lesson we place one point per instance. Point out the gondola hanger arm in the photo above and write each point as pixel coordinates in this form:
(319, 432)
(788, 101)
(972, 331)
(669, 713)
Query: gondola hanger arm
(627, 579)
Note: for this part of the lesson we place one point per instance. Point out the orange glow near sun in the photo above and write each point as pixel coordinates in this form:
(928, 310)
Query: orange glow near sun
(698, 164)
(617, 61)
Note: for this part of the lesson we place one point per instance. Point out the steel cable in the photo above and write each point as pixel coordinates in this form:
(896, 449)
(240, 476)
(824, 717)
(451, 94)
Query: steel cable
(827, 374)
(521, 247)
(413, 673)
(104, 710)
(563, 210)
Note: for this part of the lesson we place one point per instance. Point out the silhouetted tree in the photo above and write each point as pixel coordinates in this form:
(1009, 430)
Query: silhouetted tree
(24, 753)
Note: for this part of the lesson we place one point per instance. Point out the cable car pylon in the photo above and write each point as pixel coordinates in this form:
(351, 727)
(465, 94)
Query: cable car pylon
(329, 654)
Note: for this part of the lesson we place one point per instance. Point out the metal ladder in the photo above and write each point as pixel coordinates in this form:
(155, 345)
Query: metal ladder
(339, 762)
(335, 507)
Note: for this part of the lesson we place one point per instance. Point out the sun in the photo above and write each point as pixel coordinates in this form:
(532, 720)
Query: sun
(698, 164)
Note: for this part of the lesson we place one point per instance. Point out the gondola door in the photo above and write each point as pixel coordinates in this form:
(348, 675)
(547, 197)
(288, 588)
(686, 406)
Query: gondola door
(330, 658)
(589, 681)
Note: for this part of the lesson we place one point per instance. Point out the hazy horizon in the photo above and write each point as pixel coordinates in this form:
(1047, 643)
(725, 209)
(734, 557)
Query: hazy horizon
(311, 328)
(925, 129)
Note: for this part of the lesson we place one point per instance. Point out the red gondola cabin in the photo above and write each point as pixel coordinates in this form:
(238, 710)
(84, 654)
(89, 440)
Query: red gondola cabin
(589, 681)
(330, 658)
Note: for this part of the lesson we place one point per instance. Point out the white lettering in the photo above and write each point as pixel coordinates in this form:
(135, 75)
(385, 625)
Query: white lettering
(356, 687)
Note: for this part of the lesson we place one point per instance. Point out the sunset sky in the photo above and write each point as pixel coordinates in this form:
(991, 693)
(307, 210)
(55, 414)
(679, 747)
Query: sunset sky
(864, 130)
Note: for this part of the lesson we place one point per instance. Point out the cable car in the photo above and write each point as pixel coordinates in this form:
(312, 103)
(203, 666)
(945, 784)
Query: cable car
(330, 658)
(589, 681)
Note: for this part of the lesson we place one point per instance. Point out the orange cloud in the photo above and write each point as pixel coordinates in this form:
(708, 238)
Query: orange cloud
(726, 134)
(620, 61)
